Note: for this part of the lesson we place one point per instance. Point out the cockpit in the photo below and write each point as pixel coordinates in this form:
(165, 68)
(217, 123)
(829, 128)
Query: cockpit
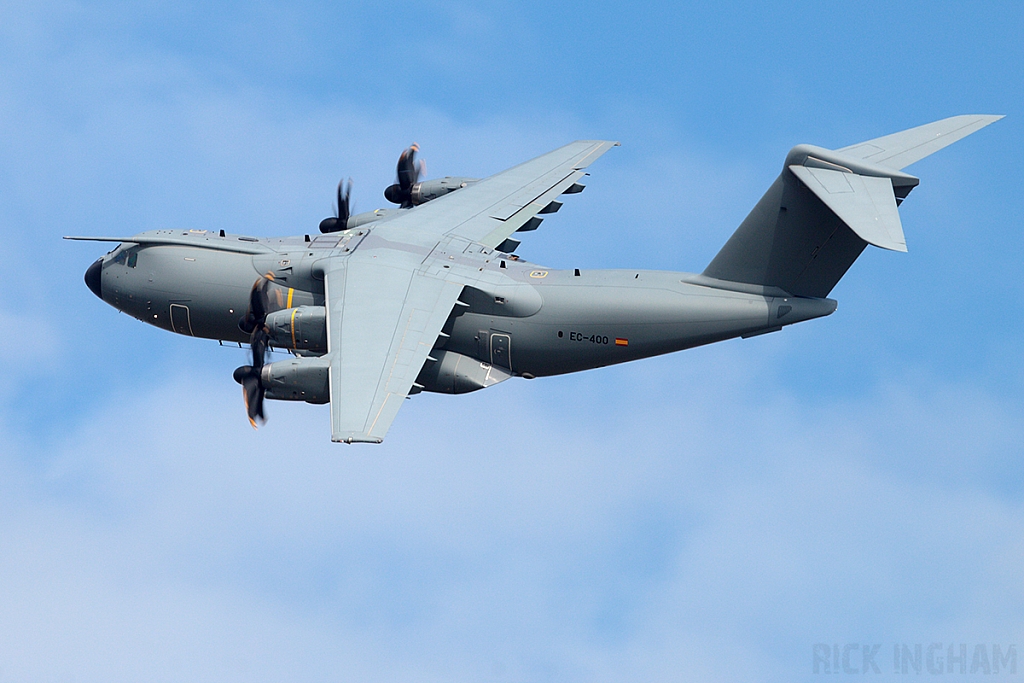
(127, 257)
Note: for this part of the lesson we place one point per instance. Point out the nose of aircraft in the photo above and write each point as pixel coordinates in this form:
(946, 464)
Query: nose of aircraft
(92, 278)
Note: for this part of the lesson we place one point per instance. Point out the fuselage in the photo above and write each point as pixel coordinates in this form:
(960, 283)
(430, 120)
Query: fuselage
(530, 320)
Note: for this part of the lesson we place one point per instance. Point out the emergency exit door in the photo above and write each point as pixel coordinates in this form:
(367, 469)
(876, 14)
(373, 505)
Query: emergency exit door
(180, 321)
(501, 352)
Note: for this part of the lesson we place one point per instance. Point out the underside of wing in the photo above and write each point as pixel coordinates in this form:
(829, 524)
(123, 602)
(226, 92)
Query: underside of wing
(383, 319)
(490, 211)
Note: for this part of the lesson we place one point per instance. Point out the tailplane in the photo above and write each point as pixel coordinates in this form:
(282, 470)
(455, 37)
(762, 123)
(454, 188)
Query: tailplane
(827, 205)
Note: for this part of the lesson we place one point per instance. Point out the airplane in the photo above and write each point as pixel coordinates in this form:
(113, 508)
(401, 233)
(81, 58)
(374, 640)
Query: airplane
(431, 297)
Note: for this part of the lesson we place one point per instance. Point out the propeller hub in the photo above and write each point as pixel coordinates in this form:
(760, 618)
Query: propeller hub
(241, 373)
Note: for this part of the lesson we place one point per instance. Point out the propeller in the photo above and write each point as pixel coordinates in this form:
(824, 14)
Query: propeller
(342, 209)
(253, 322)
(407, 174)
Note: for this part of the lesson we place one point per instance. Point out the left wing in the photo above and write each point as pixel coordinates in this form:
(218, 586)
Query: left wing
(490, 210)
(383, 318)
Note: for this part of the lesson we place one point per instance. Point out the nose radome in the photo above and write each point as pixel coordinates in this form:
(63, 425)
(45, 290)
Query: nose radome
(92, 278)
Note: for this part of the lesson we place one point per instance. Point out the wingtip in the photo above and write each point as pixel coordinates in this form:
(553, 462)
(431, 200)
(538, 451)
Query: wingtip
(89, 238)
(982, 119)
(352, 437)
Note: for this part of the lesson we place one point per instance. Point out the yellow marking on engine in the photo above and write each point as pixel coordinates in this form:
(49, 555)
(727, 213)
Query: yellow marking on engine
(294, 311)
(291, 292)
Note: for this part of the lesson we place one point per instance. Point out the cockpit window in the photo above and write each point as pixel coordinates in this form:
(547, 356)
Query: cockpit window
(127, 257)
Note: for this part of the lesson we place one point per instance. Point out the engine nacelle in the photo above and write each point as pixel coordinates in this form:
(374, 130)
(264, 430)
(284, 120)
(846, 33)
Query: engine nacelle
(302, 328)
(432, 189)
(454, 373)
(367, 217)
(297, 379)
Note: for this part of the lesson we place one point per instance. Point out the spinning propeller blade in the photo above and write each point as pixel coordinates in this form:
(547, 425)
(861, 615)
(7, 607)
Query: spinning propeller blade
(254, 322)
(342, 209)
(407, 174)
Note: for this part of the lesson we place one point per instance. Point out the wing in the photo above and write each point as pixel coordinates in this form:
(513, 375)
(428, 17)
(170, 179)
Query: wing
(900, 150)
(383, 318)
(491, 210)
(385, 305)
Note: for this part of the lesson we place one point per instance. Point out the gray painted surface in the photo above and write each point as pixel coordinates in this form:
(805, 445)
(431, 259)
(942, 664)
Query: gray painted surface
(420, 299)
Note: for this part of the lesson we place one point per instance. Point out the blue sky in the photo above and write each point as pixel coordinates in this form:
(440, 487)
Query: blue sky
(709, 515)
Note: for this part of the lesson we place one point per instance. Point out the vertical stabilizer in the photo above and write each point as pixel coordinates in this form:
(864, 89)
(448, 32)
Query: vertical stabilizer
(826, 206)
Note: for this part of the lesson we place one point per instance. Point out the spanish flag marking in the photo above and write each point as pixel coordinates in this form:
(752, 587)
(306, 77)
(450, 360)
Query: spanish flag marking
(619, 341)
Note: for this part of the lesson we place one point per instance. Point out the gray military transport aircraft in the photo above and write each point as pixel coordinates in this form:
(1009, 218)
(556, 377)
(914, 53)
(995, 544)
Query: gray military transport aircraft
(429, 296)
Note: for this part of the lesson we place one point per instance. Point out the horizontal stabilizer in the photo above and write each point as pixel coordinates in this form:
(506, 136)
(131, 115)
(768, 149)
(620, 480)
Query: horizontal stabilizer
(865, 204)
(900, 150)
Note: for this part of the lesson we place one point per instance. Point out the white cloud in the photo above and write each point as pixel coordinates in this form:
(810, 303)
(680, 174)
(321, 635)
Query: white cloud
(502, 532)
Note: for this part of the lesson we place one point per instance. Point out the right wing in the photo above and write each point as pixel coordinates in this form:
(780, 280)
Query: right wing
(900, 150)
(384, 316)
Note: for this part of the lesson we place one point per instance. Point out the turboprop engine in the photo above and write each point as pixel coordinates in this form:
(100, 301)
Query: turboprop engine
(432, 189)
(407, 191)
(303, 328)
(297, 379)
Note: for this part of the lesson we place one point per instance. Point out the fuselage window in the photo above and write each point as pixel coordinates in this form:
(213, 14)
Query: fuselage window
(133, 259)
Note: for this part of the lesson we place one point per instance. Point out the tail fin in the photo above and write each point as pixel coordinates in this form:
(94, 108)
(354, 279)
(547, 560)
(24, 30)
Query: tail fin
(826, 206)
